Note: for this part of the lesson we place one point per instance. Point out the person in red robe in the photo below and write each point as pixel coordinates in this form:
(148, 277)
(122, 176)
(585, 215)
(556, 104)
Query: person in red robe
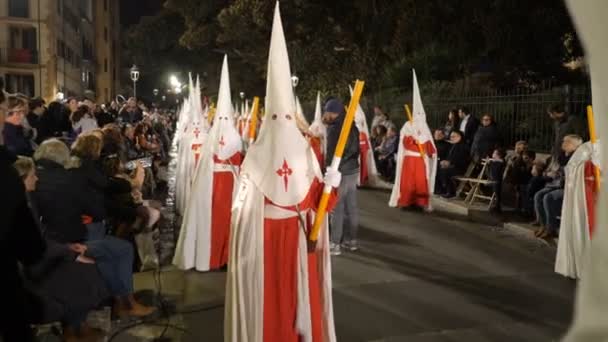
(414, 185)
(364, 152)
(279, 284)
(416, 160)
(204, 237)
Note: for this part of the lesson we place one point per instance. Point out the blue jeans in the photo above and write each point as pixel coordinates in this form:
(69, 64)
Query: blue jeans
(346, 210)
(96, 231)
(548, 206)
(114, 260)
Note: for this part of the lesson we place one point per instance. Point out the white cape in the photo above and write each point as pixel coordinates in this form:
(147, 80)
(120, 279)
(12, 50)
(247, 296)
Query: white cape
(245, 287)
(574, 238)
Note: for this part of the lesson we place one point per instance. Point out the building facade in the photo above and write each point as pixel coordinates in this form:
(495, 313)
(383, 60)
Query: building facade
(57, 46)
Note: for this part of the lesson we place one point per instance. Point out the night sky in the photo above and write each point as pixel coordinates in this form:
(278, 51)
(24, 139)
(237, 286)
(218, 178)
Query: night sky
(132, 10)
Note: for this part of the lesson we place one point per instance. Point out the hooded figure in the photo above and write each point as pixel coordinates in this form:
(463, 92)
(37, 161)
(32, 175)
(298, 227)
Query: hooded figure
(416, 160)
(317, 134)
(278, 290)
(203, 239)
(578, 213)
(592, 291)
(189, 151)
(369, 173)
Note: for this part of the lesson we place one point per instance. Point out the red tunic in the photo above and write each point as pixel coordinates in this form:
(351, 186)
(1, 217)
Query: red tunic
(281, 243)
(414, 189)
(590, 194)
(364, 150)
(223, 184)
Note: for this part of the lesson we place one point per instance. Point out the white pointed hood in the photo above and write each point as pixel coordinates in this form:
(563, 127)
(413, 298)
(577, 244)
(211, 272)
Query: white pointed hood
(317, 128)
(224, 140)
(280, 163)
(360, 119)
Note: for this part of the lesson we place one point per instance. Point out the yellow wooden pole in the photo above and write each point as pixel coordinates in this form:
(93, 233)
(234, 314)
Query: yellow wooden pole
(344, 133)
(411, 119)
(254, 119)
(593, 137)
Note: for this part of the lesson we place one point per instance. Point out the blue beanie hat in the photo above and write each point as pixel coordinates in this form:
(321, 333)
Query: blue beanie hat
(334, 106)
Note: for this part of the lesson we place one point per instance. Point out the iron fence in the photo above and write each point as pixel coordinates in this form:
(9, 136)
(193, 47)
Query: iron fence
(521, 114)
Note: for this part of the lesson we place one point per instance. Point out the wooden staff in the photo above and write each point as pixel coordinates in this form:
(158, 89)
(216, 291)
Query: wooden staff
(344, 133)
(254, 119)
(411, 119)
(593, 137)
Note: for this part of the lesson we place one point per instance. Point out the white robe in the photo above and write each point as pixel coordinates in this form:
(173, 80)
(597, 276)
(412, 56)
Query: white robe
(245, 288)
(574, 238)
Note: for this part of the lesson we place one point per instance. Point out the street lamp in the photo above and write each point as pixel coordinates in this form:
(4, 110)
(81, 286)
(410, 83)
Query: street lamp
(134, 78)
(155, 92)
(242, 95)
(294, 81)
(164, 98)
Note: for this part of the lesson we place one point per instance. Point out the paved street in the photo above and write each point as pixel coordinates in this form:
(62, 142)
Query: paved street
(418, 277)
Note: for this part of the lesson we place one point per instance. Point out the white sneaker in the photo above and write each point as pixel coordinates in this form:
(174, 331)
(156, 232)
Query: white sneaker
(334, 249)
(352, 245)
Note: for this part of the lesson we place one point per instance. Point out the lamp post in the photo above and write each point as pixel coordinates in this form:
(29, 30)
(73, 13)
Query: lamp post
(155, 92)
(242, 95)
(134, 78)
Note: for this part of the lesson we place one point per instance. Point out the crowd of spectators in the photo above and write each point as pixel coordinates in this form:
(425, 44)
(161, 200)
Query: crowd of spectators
(465, 143)
(87, 175)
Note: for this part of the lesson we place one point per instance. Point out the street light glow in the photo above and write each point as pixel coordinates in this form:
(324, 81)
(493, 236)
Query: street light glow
(173, 81)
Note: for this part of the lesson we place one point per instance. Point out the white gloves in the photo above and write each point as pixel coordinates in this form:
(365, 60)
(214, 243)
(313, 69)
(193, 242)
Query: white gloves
(332, 177)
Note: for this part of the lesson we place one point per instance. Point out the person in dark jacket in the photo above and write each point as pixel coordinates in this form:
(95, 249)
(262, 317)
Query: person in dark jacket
(468, 125)
(20, 242)
(55, 122)
(455, 164)
(443, 147)
(64, 218)
(86, 151)
(15, 139)
(487, 138)
(346, 209)
(33, 118)
(67, 283)
(563, 125)
(386, 153)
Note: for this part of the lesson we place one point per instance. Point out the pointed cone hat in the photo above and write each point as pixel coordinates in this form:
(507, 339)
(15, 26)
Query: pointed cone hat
(419, 127)
(224, 140)
(360, 119)
(280, 163)
(317, 128)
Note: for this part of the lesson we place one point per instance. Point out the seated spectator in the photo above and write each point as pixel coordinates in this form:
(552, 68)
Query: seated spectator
(386, 154)
(520, 171)
(132, 149)
(496, 169)
(83, 121)
(377, 137)
(13, 133)
(86, 165)
(443, 147)
(536, 183)
(67, 283)
(144, 139)
(33, 119)
(548, 201)
(62, 200)
(455, 164)
(487, 138)
(55, 122)
(452, 124)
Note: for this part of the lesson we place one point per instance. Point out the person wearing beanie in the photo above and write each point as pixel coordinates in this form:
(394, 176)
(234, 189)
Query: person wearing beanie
(346, 210)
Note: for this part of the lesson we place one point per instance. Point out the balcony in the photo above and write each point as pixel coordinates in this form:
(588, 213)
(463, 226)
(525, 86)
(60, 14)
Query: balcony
(19, 56)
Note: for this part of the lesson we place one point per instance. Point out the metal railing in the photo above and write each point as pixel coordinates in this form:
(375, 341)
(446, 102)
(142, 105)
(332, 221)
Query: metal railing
(521, 114)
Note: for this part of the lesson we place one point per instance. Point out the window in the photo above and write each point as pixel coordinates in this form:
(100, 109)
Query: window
(19, 8)
(20, 83)
(105, 65)
(105, 34)
(22, 45)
